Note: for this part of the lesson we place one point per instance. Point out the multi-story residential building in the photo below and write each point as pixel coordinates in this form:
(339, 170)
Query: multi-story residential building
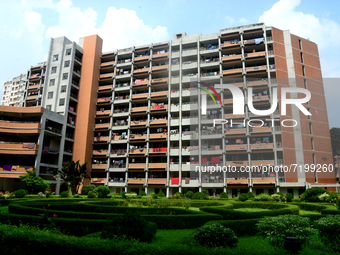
(141, 123)
(13, 92)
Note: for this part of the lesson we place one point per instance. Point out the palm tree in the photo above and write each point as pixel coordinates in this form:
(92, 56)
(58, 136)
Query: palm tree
(73, 174)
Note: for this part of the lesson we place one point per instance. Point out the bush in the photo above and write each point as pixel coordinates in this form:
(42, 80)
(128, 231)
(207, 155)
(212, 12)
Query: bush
(329, 231)
(20, 193)
(123, 194)
(64, 194)
(323, 197)
(142, 193)
(131, 225)
(215, 235)
(275, 229)
(289, 197)
(250, 195)
(154, 195)
(223, 195)
(131, 195)
(205, 194)
(296, 200)
(243, 197)
(76, 196)
(86, 189)
(91, 194)
(280, 193)
(102, 191)
(276, 197)
(189, 194)
(197, 195)
(161, 194)
(312, 194)
(240, 227)
(263, 197)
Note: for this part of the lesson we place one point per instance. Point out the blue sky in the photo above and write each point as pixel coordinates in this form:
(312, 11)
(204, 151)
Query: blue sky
(27, 26)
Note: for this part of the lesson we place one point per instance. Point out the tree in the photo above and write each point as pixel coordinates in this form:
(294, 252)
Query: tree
(73, 174)
(335, 140)
(34, 182)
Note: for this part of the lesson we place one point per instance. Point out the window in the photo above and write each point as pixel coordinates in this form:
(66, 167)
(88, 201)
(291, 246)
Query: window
(300, 44)
(309, 116)
(55, 57)
(305, 83)
(312, 143)
(65, 76)
(310, 128)
(67, 63)
(63, 89)
(68, 52)
(61, 101)
(301, 55)
(52, 82)
(54, 69)
(50, 95)
(48, 107)
(303, 71)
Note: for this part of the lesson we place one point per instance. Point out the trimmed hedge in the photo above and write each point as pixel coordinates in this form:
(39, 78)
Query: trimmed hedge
(229, 214)
(330, 211)
(310, 206)
(26, 241)
(240, 227)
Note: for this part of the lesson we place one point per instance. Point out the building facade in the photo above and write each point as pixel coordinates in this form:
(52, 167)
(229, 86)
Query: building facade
(135, 114)
(13, 92)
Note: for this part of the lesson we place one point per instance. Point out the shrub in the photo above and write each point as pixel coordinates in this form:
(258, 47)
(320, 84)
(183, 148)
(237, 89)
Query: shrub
(197, 195)
(205, 194)
(280, 193)
(312, 194)
(123, 194)
(323, 197)
(240, 227)
(154, 195)
(276, 197)
(131, 195)
(131, 225)
(76, 196)
(275, 229)
(20, 193)
(215, 235)
(161, 194)
(329, 231)
(289, 197)
(86, 189)
(263, 197)
(64, 194)
(250, 195)
(48, 193)
(102, 191)
(189, 194)
(142, 193)
(91, 194)
(224, 195)
(243, 197)
(296, 200)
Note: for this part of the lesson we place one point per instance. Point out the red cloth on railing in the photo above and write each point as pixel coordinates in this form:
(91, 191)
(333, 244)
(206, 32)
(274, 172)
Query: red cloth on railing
(215, 160)
(174, 180)
(204, 160)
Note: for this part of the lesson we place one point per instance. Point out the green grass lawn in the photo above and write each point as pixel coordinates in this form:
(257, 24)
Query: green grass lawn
(304, 212)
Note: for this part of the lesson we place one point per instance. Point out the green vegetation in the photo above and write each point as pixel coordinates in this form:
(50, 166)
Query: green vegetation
(34, 182)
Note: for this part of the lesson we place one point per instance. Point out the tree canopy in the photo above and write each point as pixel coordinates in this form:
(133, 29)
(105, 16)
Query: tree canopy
(73, 174)
(34, 182)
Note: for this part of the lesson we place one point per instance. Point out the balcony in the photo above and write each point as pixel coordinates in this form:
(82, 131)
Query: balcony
(106, 75)
(157, 165)
(263, 180)
(236, 147)
(105, 88)
(107, 64)
(137, 165)
(141, 70)
(104, 112)
(29, 98)
(232, 43)
(139, 82)
(159, 80)
(139, 123)
(236, 131)
(138, 96)
(232, 116)
(138, 151)
(20, 127)
(262, 162)
(99, 166)
(231, 57)
(104, 100)
(162, 67)
(255, 54)
(101, 139)
(100, 152)
(158, 121)
(260, 130)
(261, 146)
(237, 163)
(136, 180)
(138, 137)
(158, 136)
(18, 148)
(98, 180)
(142, 58)
(159, 107)
(257, 83)
(232, 71)
(237, 181)
(156, 180)
(160, 54)
(256, 68)
(139, 109)
(101, 125)
(158, 150)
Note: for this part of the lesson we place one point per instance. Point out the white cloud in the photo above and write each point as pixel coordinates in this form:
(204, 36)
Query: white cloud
(324, 32)
(243, 21)
(230, 19)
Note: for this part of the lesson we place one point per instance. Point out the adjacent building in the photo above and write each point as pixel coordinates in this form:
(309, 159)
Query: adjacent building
(13, 92)
(135, 114)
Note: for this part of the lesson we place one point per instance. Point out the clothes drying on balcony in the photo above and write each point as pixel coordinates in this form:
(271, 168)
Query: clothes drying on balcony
(175, 181)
